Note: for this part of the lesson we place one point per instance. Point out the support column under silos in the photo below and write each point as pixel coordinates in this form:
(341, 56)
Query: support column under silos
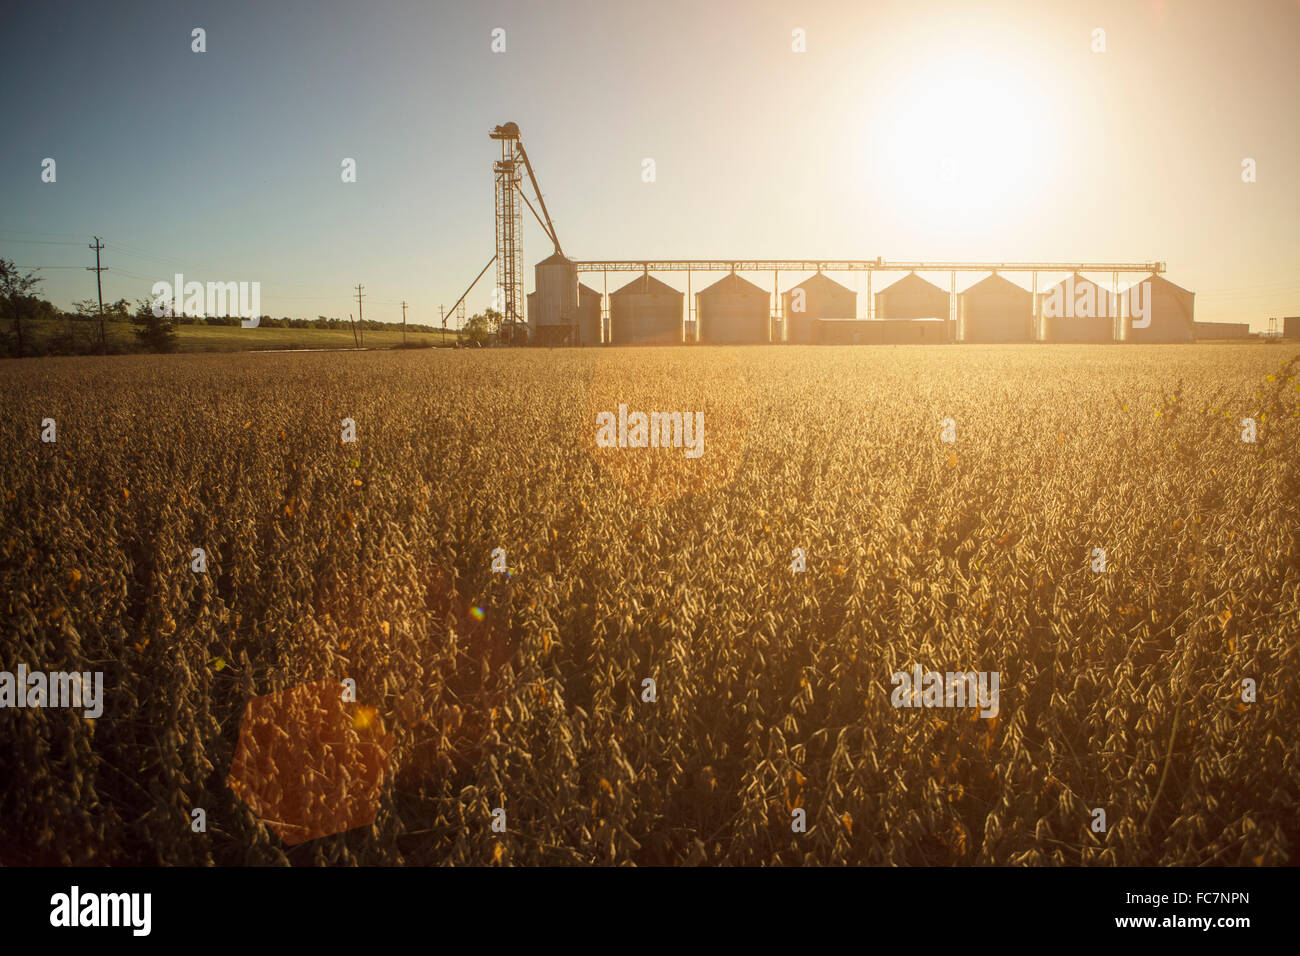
(958, 333)
(1035, 329)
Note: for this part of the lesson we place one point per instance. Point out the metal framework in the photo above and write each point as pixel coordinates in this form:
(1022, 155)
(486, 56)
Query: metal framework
(851, 265)
(869, 266)
(510, 253)
(509, 228)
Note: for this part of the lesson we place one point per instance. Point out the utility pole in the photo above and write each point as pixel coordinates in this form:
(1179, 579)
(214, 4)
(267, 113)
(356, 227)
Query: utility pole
(403, 323)
(443, 314)
(99, 282)
(361, 320)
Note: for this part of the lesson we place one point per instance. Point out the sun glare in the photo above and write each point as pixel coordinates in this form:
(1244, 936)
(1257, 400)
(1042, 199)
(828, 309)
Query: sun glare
(957, 141)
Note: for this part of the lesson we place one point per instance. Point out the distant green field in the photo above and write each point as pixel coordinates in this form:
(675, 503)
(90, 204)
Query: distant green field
(42, 338)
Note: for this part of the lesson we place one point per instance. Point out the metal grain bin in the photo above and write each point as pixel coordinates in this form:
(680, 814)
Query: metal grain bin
(1077, 310)
(588, 330)
(822, 298)
(647, 312)
(912, 297)
(553, 311)
(733, 311)
(995, 310)
(1170, 312)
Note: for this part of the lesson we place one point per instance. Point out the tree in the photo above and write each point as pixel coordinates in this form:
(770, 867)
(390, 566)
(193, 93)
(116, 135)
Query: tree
(14, 288)
(155, 332)
(482, 328)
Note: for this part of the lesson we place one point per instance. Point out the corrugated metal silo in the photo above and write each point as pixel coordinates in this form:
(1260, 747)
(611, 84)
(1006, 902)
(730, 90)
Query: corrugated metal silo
(995, 310)
(734, 311)
(1170, 312)
(647, 311)
(588, 331)
(1076, 309)
(823, 298)
(1291, 327)
(912, 297)
(553, 311)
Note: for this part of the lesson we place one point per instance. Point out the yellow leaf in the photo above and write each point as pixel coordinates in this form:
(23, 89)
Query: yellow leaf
(498, 853)
(952, 459)
(1225, 616)
(218, 663)
(365, 718)
(383, 626)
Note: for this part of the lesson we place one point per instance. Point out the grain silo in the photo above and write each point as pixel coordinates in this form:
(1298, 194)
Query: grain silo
(1291, 327)
(647, 312)
(1077, 309)
(733, 311)
(1169, 312)
(995, 310)
(912, 297)
(817, 297)
(588, 330)
(553, 308)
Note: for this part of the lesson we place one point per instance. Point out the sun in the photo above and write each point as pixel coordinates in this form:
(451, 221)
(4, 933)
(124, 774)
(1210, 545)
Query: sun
(957, 140)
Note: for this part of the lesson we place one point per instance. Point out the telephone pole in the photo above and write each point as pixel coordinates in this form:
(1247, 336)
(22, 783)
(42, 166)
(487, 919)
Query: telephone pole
(360, 318)
(444, 323)
(403, 323)
(99, 283)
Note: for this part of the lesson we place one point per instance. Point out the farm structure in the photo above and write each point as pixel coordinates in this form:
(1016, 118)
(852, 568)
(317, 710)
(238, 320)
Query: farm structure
(562, 311)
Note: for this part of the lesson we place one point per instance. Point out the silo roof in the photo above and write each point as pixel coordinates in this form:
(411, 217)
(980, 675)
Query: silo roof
(556, 259)
(646, 285)
(911, 282)
(820, 280)
(991, 284)
(1162, 280)
(1077, 280)
(734, 285)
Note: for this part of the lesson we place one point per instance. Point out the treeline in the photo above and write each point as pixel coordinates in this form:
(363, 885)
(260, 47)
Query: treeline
(31, 325)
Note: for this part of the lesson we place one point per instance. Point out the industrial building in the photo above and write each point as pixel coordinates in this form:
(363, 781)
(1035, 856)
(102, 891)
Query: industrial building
(822, 298)
(881, 331)
(647, 311)
(995, 310)
(733, 311)
(1077, 310)
(1170, 313)
(1220, 330)
(1291, 327)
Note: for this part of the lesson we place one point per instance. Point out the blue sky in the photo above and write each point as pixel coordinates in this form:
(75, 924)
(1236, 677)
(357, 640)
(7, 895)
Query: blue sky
(225, 165)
